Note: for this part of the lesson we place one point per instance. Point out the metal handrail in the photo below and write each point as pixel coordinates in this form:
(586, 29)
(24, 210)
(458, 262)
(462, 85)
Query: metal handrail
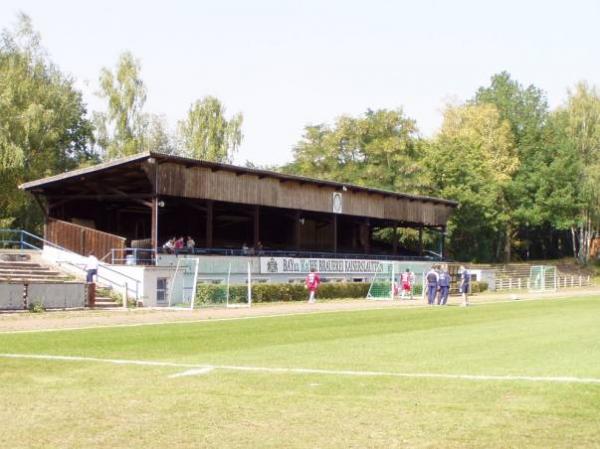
(23, 243)
(292, 253)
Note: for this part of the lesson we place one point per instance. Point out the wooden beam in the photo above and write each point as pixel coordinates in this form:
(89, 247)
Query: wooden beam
(335, 233)
(154, 224)
(209, 223)
(99, 196)
(256, 225)
(45, 208)
(297, 231)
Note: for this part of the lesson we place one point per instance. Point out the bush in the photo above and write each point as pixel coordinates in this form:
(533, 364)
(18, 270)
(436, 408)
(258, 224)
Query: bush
(478, 287)
(217, 293)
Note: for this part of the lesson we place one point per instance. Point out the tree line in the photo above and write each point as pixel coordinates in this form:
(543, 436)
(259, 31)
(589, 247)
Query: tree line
(526, 176)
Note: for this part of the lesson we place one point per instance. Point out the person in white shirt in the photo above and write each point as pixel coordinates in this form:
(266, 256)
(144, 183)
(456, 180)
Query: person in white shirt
(91, 267)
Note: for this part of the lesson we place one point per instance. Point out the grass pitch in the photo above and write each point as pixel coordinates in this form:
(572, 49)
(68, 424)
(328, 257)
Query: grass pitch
(530, 348)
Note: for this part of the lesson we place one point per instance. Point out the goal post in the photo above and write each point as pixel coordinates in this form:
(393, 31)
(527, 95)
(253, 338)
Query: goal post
(542, 278)
(182, 291)
(232, 288)
(386, 283)
(382, 285)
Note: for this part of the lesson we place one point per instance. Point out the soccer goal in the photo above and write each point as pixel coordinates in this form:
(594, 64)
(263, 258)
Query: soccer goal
(182, 291)
(386, 283)
(542, 278)
(232, 289)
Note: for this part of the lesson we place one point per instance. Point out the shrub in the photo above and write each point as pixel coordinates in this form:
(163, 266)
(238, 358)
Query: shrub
(217, 293)
(478, 287)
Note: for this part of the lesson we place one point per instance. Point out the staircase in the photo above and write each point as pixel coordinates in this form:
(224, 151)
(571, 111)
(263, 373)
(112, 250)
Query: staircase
(105, 299)
(19, 268)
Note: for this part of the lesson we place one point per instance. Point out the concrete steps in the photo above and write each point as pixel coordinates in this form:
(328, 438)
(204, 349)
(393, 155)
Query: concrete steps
(104, 300)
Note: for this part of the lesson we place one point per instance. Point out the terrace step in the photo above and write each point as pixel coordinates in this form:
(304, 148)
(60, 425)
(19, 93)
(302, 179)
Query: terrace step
(103, 302)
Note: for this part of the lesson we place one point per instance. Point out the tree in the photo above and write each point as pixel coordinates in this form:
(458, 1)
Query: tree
(120, 131)
(526, 111)
(472, 160)
(380, 149)
(207, 134)
(43, 125)
(581, 140)
(156, 135)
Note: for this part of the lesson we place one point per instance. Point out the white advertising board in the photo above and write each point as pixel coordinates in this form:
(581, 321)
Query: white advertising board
(284, 265)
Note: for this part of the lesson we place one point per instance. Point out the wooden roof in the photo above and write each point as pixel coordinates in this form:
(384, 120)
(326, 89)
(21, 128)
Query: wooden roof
(54, 181)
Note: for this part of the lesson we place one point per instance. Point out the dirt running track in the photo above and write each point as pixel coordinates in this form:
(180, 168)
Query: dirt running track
(77, 319)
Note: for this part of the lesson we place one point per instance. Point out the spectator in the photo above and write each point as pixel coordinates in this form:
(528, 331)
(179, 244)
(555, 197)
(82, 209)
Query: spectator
(259, 248)
(91, 267)
(312, 284)
(245, 249)
(169, 246)
(190, 244)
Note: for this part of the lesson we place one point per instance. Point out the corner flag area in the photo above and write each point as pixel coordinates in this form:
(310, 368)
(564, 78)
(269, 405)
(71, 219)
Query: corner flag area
(495, 375)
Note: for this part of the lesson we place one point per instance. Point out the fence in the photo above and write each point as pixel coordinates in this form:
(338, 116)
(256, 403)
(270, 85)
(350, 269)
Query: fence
(81, 239)
(561, 281)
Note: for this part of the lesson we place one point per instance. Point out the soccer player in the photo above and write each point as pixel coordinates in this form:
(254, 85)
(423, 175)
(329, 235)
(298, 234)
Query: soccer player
(465, 280)
(312, 284)
(444, 284)
(407, 279)
(432, 279)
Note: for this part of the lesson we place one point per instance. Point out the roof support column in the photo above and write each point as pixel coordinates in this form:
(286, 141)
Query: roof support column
(335, 233)
(395, 239)
(297, 230)
(442, 242)
(256, 225)
(366, 236)
(420, 240)
(209, 223)
(154, 224)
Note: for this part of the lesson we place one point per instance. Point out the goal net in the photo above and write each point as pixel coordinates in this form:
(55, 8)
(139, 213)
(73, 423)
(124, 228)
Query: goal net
(232, 289)
(387, 281)
(182, 291)
(542, 278)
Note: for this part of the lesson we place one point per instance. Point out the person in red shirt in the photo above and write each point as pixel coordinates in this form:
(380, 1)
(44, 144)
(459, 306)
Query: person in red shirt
(312, 284)
(407, 278)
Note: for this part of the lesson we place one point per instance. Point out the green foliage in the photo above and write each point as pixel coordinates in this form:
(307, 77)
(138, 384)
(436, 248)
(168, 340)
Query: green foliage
(207, 134)
(43, 124)
(472, 160)
(379, 149)
(36, 307)
(120, 129)
(478, 287)
(207, 294)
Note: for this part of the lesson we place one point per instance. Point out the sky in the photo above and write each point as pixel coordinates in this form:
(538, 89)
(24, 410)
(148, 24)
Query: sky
(287, 64)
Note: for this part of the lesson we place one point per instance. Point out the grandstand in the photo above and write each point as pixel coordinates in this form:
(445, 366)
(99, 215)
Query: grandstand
(124, 210)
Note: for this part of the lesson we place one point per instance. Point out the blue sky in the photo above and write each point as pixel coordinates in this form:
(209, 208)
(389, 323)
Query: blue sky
(286, 64)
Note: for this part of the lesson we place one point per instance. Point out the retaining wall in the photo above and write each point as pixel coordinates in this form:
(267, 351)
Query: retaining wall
(49, 295)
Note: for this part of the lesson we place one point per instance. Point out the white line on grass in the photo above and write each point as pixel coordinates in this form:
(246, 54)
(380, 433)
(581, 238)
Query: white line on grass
(196, 369)
(284, 315)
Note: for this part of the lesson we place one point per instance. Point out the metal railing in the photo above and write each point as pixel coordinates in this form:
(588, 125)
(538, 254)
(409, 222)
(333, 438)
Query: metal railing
(21, 239)
(560, 281)
(292, 253)
(132, 256)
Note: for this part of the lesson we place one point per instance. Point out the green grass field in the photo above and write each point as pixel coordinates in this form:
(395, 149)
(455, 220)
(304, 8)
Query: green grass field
(95, 404)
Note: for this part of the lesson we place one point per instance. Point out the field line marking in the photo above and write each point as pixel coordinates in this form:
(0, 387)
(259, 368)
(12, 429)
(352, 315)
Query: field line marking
(198, 369)
(281, 315)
